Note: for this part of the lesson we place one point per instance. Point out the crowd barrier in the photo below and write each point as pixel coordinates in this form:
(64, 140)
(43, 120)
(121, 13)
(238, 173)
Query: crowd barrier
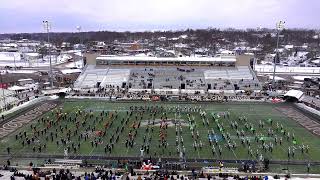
(213, 98)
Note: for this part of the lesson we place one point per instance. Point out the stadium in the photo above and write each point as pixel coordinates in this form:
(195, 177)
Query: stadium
(186, 75)
(165, 113)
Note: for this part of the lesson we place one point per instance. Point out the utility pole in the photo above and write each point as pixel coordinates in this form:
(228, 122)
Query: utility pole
(279, 27)
(79, 31)
(14, 61)
(47, 27)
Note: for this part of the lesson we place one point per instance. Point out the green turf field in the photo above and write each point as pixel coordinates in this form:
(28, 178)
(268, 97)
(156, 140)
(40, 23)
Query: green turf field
(92, 124)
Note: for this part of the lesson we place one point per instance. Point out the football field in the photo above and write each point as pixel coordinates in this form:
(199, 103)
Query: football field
(189, 131)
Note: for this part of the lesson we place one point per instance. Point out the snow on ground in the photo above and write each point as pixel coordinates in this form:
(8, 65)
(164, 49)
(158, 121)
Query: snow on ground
(10, 56)
(14, 60)
(300, 78)
(77, 64)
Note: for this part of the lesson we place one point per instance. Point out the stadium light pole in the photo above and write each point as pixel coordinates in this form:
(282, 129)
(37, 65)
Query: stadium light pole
(3, 94)
(279, 27)
(79, 31)
(47, 26)
(318, 41)
(258, 31)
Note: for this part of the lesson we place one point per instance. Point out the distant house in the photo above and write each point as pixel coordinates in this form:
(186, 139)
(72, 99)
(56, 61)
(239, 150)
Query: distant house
(10, 57)
(65, 45)
(269, 57)
(167, 54)
(316, 61)
(32, 56)
(162, 38)
(288, 47)
(79, 47)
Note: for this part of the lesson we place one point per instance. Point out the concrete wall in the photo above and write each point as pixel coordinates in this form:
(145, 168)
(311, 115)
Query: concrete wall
(243, 60)
(91, 58)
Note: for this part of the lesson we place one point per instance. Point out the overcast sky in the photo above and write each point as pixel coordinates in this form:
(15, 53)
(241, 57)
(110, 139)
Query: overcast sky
(140, 15)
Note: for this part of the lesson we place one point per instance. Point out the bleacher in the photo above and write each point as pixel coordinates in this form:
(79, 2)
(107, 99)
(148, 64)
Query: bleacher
(226, 78)
(195, 79)
(93, 76)
(240, 73)
(115, 77)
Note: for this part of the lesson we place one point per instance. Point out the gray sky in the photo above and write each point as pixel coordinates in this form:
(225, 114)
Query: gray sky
(140, 15)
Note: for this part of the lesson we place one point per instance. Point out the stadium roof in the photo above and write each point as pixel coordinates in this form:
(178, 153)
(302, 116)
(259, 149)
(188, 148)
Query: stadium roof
(294, 93)
(230, 58)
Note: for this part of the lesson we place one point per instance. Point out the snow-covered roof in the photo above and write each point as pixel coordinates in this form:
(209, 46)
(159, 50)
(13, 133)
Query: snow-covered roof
(201, 50)
(63, 58)
(277, 78)
(302, 53)
(141, 55)
(55, 91)
(162, 38)
(17, 88)
(184, 36)
(300, 78)
(180, 45)
(288, 46)
(70, 51)
(78, 53)
(10, 45)
(174, 39)
(241, 48)
(294, 93)
(171, 51)
(70, 71)
(101, 43)
(28, 79)
(78, 64)
(271, 54)
(168, 59)
(223, 51)
(297, 82)
(32, 54)
(280, 50)
(21, 71)
(255, 49)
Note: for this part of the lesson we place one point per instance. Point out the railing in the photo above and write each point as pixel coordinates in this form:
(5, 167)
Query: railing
(255, 76)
